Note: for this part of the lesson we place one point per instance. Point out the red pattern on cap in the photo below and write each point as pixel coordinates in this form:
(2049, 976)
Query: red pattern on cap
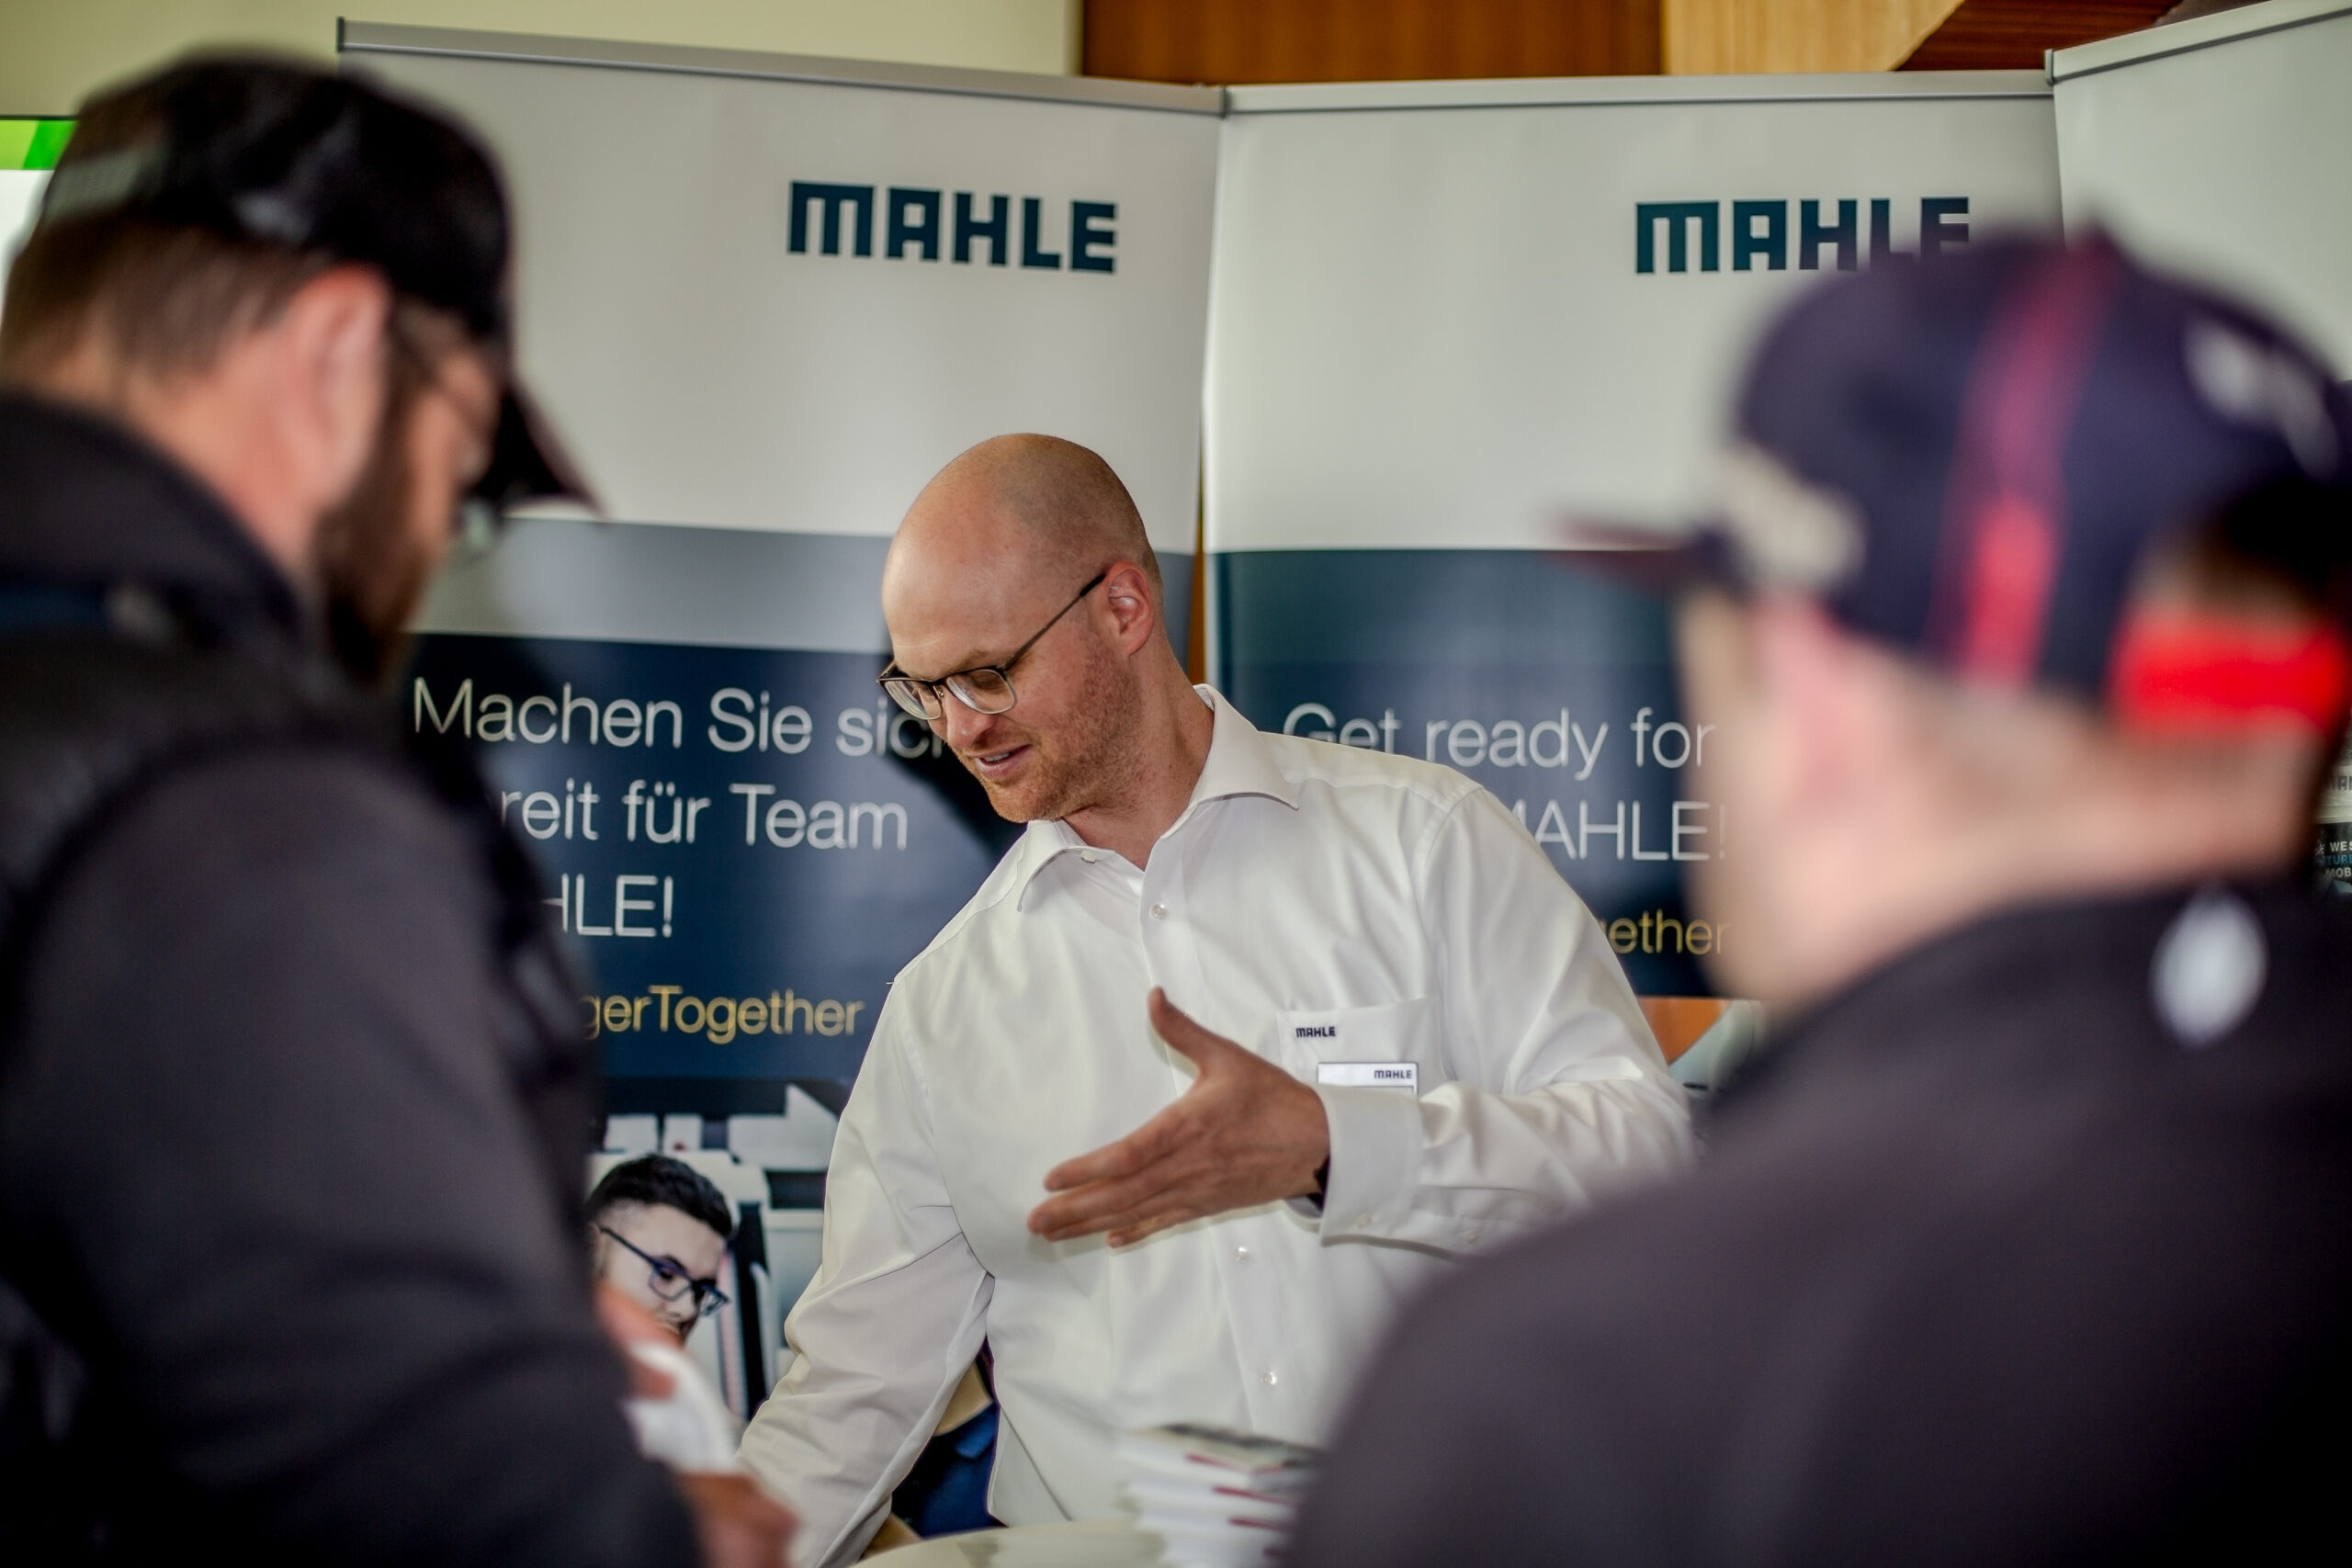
(2174, 673)
(2005, 513)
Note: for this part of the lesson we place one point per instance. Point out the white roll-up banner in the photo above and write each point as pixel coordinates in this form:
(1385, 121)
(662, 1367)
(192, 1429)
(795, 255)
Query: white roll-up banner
(2219, 146)
(1444, 315)
(763, 300)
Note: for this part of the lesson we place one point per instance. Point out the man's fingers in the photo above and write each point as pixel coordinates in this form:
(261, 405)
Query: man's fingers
(1149, 1228)
(1130, 1225)
(1111, 1162)
(1105, 1205)
(1100, 1206)
(1108, 1163)
(1186, 1038)
(740, 1526)
(1131, 1154)
(1142, 1185)
(1157, 1137)
(1079, 1230)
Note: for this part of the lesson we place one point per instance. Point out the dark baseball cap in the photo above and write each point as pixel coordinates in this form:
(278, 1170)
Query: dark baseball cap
(277, 153)
(1970, 458)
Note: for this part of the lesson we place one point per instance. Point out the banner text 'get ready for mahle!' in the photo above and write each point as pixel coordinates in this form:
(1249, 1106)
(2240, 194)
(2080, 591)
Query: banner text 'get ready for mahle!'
(1448, 316)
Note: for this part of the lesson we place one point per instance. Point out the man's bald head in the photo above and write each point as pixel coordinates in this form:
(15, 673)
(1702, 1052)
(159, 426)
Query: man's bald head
(1054, 501)
(1026, 555)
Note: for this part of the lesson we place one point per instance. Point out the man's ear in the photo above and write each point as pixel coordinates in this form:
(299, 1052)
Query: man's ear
(1808, 675)
(1127, 595)
(329, 374)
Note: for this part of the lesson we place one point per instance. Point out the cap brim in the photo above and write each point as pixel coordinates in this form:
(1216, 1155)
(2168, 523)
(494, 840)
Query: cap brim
(1659, 562)
(528, 463)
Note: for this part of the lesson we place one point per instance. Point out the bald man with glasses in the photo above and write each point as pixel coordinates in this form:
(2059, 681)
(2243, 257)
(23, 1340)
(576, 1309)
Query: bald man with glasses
(1244, 1041)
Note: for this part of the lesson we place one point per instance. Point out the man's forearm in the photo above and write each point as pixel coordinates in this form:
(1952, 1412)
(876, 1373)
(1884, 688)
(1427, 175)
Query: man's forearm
(880, 1350)
(824, 1446)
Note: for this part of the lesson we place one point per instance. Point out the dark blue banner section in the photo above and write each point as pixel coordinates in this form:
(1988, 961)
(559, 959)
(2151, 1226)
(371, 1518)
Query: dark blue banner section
(1553, 690)
(745, 845)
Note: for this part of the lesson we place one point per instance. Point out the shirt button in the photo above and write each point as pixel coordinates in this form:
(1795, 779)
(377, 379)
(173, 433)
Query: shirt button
(1086, 855)
(1159, 911)
(1269, 1378)
(1242, 1255)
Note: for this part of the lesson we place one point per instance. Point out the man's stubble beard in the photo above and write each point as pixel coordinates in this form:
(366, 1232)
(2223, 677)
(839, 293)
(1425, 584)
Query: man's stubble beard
(372, 570)
(1100, 762)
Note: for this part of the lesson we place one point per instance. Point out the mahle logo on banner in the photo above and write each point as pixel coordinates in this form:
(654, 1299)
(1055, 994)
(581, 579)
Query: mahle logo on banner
(916, 223)
(1760, 234)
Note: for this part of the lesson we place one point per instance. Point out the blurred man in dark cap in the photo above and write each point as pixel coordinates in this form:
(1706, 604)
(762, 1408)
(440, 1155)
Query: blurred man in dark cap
(2027, 1243)
(292, 1093)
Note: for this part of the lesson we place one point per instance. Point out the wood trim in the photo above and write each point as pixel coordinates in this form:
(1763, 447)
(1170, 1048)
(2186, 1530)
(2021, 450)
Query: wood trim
(1994, 35)
(1735, 36)
(1225, 41)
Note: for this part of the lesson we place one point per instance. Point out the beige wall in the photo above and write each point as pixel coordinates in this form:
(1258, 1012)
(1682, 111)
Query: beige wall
(1711, 37)
(53, 51)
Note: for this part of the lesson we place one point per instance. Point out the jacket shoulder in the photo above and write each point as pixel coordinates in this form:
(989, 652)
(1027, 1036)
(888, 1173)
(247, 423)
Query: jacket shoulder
(90, 722)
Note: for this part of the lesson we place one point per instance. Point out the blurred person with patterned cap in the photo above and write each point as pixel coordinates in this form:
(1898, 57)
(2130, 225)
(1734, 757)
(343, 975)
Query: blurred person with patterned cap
(2023, 616)
(294, 1104)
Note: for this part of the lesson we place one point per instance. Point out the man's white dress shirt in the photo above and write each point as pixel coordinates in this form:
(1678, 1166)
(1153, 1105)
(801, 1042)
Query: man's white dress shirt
(1335, 911)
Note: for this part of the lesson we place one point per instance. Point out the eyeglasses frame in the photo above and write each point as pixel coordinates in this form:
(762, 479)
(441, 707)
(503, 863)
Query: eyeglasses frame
(480, 526)
(940, 690)
(708, 1297)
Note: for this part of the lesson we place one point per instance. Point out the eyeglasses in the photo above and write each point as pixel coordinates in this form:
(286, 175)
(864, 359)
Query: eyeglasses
(984, 688)
(671, 1283)
(479, 523)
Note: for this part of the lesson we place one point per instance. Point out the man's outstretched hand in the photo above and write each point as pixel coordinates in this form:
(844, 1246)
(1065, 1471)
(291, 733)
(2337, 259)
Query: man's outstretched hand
(740, 1526)
(1246, 1133)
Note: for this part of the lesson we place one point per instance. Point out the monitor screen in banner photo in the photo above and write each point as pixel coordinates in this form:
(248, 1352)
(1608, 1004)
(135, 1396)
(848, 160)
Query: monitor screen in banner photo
(1448, 316)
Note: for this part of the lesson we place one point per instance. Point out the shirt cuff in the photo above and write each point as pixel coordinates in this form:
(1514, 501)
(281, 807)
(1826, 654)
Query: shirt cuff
(1375, 1159)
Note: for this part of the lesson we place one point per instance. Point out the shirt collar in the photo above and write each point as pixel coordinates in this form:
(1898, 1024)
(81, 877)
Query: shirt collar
(1240, 762)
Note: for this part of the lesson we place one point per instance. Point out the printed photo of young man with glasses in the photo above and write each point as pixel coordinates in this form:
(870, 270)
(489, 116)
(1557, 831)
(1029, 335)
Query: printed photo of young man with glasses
(657, 1233)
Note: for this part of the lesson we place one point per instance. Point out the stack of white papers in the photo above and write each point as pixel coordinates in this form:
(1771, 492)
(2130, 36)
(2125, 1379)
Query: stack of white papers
(1216, 1498)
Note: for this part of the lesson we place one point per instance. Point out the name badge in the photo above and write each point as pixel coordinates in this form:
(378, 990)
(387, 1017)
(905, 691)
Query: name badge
(1406, 1075)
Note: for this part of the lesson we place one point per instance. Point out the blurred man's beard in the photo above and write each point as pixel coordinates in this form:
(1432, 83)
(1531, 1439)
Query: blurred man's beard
(372, 570)
(1080, 768)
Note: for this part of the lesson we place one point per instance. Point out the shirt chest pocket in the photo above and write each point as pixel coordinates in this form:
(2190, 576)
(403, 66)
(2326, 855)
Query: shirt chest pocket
(1397, 1045)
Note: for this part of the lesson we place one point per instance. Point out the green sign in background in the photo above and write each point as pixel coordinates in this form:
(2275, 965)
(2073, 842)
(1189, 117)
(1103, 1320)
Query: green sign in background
(32, 144)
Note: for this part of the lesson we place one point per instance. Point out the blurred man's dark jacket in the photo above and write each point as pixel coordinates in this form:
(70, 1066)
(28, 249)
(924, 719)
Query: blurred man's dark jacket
(293, 1101)
(1990, 1265)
